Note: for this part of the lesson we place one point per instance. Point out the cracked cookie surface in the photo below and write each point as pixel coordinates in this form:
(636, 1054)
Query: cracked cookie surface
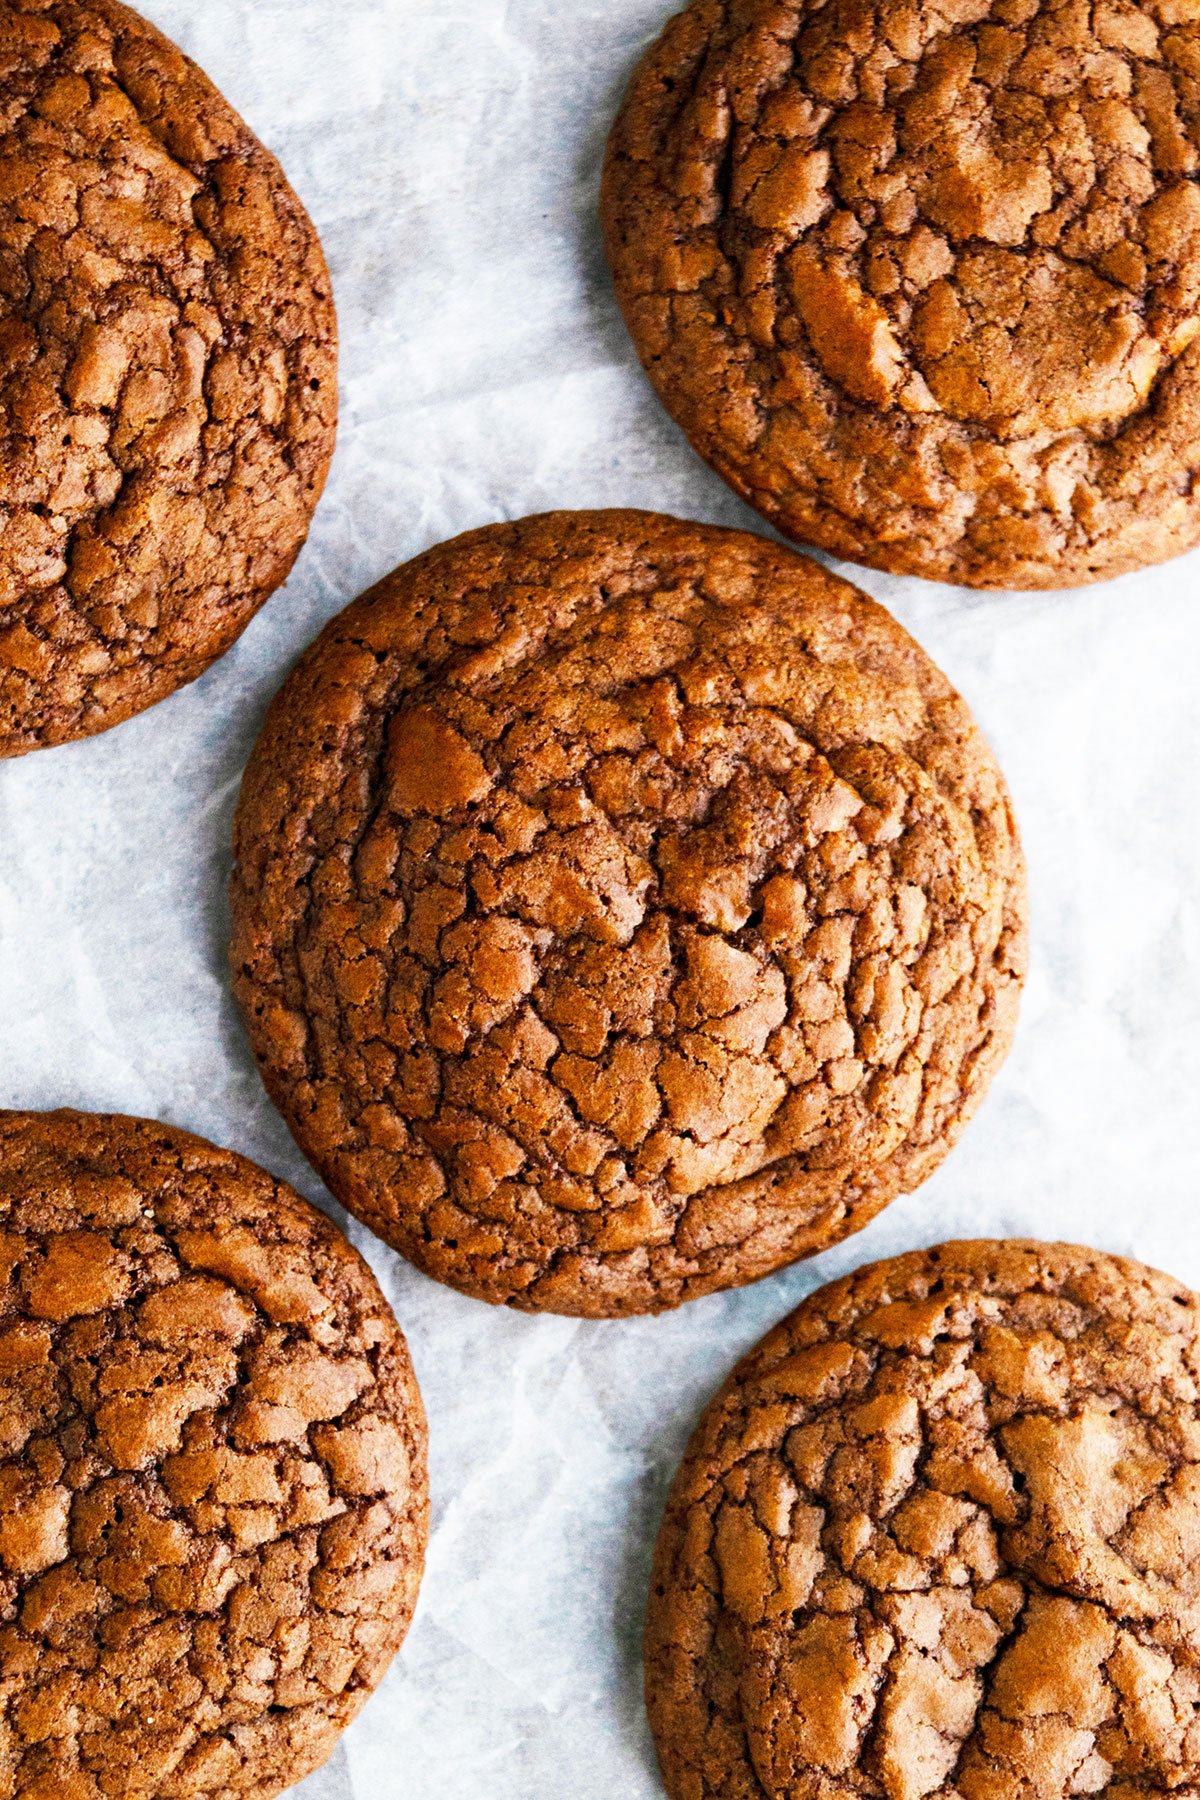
(923, 282)
(623, 908)
(213, 1501)
(936, 1537)
(168, 390)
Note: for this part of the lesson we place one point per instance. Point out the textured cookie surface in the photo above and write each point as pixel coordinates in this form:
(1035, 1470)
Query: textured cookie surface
(212, 1470)
(923, 283)
(623, 908)
(167, 370)
(937, 1537)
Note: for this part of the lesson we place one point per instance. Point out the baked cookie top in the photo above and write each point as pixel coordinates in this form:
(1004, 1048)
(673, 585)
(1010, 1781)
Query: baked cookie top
(923, 283)
(623, 908)
(212, 1469)
(936, 1537)
(168, 389)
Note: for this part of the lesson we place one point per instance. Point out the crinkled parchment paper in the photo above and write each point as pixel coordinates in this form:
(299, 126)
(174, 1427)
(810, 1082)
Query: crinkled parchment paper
(449, 151)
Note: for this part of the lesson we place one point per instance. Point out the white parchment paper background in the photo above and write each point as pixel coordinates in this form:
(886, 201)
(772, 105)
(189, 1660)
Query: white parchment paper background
(449, 152)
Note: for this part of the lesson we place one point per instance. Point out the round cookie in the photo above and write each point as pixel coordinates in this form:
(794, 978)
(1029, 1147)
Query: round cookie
(623, 908)
(213, 1502)
(936, 1537)
(924, 285)
(168, 378)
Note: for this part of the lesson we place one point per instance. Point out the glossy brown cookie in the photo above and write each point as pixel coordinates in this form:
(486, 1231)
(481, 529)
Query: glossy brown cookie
(924, 285)
(212, 1469)
(936, 1537)
(623, 908)
(168, 388)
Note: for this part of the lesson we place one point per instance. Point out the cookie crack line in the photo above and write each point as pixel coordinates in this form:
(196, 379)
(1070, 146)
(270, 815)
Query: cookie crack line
(622, 908)
(926, 292)
(169, 392)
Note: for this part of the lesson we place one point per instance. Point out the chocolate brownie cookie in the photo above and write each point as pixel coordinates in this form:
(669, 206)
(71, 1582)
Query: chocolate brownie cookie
(923, 284)
(168, 389)
(212, 1493)
(623, 908)
(937, 1536)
